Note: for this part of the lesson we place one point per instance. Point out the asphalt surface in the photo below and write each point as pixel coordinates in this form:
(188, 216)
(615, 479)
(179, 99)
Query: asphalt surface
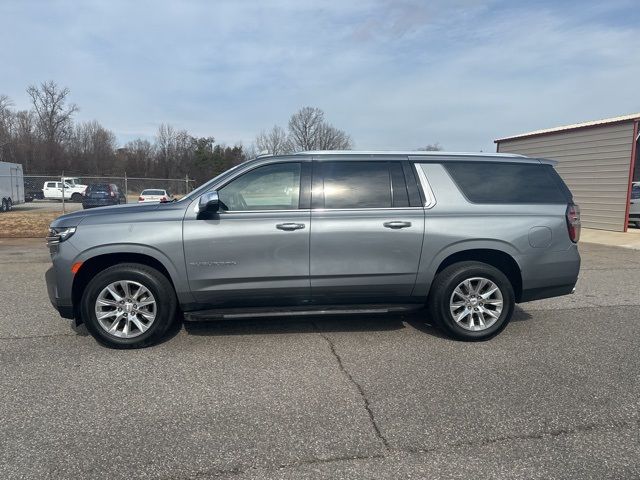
(556, 395)
(47, 206)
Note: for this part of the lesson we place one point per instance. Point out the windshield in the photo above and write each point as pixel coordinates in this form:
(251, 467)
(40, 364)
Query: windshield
(72, 181)
(99, 187)
(205, 186)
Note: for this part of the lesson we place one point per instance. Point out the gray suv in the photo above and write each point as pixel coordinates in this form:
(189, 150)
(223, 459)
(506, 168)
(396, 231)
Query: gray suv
(465, 235)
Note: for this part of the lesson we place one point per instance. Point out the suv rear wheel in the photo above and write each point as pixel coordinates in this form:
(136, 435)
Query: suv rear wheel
(129, 306)
(471, 300)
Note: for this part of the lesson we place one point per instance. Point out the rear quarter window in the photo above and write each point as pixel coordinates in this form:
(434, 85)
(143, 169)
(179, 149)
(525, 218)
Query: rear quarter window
(487, 182)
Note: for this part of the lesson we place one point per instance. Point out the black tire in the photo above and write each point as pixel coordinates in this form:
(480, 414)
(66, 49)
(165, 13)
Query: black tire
(3, 206)
(76, 197)
(442, 289)
(9, 205)
(637, 224)
(154, 281)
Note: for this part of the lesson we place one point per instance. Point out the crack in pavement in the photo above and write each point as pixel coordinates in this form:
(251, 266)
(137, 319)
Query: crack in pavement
(353, 381)
(53, 335)
(562, 432)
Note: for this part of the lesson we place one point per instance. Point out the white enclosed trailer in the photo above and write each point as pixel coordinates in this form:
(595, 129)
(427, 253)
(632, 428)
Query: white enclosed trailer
(11, 185)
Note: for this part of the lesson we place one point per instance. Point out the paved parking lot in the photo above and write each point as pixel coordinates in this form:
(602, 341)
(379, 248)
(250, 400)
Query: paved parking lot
(47, 206)
(556, 395)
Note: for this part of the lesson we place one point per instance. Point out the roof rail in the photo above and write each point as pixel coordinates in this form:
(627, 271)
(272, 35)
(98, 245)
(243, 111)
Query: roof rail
(408, 153)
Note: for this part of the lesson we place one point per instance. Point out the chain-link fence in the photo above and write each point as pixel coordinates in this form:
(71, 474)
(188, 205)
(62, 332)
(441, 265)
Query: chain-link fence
(31, 202)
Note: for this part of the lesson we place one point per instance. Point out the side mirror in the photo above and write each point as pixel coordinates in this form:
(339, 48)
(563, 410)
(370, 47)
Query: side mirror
(209, 202)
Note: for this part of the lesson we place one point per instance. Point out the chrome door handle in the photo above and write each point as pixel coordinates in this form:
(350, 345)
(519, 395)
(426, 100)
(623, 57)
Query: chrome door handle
(396, 224)
(290, 226)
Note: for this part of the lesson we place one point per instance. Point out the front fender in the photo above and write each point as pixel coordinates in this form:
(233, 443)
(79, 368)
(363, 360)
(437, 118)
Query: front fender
(174, 266)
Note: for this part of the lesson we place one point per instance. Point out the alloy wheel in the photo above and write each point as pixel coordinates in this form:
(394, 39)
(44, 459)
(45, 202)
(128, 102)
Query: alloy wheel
(476, 304)
(125, 309)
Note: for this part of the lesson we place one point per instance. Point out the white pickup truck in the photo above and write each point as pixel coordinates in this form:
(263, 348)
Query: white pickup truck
(73, 190)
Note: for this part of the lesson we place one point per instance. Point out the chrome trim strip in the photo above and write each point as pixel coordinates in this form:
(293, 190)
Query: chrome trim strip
(431, 198)
(307, 210)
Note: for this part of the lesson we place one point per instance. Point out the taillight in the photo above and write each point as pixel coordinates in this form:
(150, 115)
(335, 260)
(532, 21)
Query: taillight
(163, 200)
(573, 222)
(141, 199)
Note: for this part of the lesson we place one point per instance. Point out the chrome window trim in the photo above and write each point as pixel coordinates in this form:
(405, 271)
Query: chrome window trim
(364, 209)
(426, 187)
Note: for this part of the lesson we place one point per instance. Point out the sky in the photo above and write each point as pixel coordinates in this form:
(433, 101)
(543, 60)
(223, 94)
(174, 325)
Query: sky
(393, 74)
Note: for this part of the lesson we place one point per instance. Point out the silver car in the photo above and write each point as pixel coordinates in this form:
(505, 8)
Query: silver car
(462, 237)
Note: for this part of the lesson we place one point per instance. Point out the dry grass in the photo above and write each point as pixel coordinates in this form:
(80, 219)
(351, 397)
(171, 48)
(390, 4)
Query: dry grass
(18, 224)
(25, 223)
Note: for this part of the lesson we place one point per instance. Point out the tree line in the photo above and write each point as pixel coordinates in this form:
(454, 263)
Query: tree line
(46, 140)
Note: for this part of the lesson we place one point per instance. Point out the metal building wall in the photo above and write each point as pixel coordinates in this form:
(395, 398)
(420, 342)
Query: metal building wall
(594, 162)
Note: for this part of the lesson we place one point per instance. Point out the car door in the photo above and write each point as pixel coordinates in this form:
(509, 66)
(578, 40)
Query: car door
(255, 250)
(54, 190)
(367, 228)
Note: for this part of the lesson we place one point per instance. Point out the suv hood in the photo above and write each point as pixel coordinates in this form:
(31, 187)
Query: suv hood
(73, 219)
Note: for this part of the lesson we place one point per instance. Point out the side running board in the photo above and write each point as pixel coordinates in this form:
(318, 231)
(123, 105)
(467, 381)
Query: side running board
(238, 313)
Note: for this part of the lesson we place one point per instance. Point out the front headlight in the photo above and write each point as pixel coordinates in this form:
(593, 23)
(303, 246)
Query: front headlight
(59, 234)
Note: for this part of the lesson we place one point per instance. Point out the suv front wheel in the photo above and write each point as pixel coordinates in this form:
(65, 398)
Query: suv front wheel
(129, 306)
(471, 300)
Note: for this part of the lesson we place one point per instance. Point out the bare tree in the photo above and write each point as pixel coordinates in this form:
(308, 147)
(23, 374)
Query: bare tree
(331, 138)
(92, 148)
(308, 130)
(432, 147)
(275, 141)
(6, 127)
(304, 126)
(54, 118)
(138, 158)
(174, 149)
(5, 110)
(50, 104)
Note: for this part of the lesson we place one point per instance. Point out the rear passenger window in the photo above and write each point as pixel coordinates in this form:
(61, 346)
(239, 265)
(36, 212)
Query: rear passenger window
(356, 185)
(486, 182)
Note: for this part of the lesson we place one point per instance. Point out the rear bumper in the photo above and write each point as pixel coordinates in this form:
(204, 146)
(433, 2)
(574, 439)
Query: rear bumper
(65, 309)
(546, 292)
(551, 274)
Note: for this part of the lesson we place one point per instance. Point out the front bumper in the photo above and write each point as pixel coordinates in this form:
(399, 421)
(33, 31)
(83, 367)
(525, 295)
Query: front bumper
(65, 310)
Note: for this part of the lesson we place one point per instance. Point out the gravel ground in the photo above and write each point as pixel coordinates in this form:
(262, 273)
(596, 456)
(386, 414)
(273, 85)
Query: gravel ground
(556, 395)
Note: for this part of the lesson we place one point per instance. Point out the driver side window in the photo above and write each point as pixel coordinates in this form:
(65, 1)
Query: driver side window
(271, 187)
